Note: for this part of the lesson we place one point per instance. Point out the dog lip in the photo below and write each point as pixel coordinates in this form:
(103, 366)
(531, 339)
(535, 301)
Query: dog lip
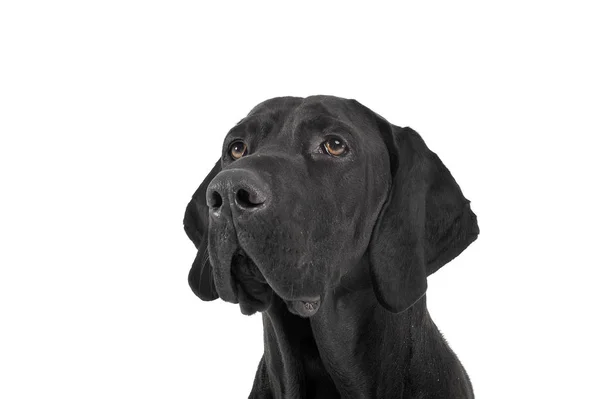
(305, 307)
(253, 292)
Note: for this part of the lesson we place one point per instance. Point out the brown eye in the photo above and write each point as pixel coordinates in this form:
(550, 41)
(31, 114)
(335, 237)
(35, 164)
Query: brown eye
(238, 149)
(335, 146)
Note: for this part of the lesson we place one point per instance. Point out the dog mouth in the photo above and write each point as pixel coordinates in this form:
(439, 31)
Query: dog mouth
(256, 295)
(304, 308)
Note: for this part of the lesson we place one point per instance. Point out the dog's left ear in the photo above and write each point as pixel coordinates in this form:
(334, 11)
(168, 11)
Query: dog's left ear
(195, 224)
(425, 223)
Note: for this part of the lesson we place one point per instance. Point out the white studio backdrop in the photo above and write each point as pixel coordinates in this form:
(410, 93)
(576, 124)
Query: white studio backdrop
(113, 112)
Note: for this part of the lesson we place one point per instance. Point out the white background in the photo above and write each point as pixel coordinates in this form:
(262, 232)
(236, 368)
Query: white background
(112, 113)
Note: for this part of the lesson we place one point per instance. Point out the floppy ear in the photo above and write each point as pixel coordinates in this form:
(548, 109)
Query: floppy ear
(195, 224)
(424, 224)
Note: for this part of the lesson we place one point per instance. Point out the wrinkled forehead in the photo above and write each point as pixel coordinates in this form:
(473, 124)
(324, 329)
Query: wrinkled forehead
(294, 117)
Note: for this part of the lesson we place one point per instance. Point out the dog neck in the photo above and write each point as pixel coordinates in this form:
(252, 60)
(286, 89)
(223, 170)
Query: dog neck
(352, 347)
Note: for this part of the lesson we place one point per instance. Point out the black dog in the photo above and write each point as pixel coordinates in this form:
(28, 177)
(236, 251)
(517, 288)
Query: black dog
(328, 219)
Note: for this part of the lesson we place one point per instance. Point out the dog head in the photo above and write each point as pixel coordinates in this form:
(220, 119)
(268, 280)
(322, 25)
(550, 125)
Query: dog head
(304, 189)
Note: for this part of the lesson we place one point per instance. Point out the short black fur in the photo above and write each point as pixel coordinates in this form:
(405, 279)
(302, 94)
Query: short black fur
(333, 250)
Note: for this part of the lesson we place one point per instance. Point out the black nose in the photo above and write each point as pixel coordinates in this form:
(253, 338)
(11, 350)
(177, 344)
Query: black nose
(241, 188)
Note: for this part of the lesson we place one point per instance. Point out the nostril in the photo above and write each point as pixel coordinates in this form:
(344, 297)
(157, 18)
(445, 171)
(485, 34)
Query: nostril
(215, 200)
(246, 199)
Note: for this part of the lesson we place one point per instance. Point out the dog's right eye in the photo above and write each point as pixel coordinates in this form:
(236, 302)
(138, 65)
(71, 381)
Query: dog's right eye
(238, 149)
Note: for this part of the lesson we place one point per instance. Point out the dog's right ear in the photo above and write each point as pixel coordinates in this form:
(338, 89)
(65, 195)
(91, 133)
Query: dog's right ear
(195, 224)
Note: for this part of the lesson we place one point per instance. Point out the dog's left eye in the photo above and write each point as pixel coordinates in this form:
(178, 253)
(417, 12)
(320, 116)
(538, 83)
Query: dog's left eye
(335, 146)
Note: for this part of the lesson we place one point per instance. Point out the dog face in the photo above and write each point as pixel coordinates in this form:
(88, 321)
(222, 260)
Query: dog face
(304, 189)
